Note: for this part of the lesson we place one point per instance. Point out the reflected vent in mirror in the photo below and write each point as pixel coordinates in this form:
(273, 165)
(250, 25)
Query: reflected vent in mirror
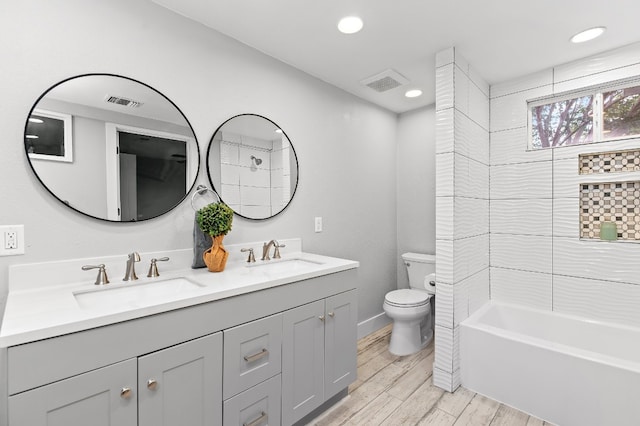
(122, 101)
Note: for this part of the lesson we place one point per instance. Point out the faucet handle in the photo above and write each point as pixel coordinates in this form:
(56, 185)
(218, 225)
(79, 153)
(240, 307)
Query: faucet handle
(153, 267)
(252, 257)
(276, 250)
(102, 273)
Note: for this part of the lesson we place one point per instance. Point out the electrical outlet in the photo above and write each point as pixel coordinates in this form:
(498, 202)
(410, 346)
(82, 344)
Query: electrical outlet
(318, 224)
(12, 240)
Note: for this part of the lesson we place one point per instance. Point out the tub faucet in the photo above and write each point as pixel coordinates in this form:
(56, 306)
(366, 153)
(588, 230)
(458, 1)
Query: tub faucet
(130, 274)
(276, 250)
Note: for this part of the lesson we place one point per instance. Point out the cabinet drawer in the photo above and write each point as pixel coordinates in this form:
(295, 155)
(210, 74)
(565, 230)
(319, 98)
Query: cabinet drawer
(258, 406)
(252, 354)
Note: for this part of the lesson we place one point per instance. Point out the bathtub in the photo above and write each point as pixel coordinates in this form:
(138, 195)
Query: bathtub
(561, 368)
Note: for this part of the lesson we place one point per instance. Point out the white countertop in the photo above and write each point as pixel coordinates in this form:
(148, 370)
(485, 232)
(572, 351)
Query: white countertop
(35, 312)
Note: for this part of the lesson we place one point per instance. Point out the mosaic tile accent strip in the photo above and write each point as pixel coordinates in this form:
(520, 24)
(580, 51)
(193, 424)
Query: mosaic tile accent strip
(609, 162)
(617, 202)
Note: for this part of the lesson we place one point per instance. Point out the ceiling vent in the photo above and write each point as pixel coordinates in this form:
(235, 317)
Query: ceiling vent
(122, 101)
(384, 81)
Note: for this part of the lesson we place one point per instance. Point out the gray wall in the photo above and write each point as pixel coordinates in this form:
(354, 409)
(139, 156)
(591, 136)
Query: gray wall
(346, 147)
(416, 186)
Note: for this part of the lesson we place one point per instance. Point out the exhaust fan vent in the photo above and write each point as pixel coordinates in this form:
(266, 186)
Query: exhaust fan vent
(384, 81)
(122, 101)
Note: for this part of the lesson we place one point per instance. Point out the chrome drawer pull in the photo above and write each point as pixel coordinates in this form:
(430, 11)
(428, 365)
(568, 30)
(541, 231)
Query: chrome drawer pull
(263, 417)
(257, 356)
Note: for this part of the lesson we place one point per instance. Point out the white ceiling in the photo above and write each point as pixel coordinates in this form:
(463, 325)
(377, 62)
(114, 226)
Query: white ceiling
(501, 39)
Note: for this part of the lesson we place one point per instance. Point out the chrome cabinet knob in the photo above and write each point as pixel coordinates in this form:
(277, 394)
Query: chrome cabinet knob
(125, 393)
(152, 384)
(321, 317)
(331, 314)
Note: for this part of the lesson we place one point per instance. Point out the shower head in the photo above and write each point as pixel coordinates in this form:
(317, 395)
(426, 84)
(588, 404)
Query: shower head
(256, 160)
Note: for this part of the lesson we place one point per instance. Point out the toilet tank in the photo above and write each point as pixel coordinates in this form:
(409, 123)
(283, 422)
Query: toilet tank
(419, 265)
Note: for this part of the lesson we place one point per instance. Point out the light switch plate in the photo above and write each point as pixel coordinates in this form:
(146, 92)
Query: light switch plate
(11, 240)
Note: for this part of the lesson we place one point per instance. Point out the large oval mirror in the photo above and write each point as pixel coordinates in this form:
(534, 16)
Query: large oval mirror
(112, 147)
(252, 165)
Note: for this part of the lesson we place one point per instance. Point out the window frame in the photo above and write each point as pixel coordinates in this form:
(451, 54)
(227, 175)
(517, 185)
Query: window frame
(67, 143)
(598, 113)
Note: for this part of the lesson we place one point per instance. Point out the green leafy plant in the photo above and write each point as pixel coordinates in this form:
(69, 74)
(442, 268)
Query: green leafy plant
(215, 219)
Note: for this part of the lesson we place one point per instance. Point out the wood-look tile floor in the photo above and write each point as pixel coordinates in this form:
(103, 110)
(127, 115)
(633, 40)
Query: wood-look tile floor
(394, 390)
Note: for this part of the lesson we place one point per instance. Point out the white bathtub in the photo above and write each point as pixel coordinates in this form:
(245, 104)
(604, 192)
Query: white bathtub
(564, 369)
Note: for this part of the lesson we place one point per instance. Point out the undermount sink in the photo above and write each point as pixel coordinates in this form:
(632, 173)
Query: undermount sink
(284, 265)
(137, 295)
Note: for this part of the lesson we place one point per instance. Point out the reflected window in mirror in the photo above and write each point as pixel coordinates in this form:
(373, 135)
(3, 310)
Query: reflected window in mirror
(49, 136)
(134, 154)
(253, 166)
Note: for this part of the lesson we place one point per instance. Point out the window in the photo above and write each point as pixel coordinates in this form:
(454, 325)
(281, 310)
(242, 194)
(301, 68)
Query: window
(596, 116)
(48, 136)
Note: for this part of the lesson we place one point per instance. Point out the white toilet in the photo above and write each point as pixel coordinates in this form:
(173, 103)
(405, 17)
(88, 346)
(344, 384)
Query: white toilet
(412, 309)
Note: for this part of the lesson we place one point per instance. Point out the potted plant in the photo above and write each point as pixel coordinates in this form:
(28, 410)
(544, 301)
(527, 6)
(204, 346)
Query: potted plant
(215, 219)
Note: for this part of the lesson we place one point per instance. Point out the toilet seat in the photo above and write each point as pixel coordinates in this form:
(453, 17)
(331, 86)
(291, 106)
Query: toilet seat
(407, 298)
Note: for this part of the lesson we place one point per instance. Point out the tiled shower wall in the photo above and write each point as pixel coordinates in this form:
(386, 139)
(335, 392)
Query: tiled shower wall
(537, 257)
(462, 206)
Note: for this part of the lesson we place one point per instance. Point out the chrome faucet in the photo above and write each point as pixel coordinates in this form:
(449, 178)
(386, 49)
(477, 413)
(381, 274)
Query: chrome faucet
(130, 274)
(276, 250)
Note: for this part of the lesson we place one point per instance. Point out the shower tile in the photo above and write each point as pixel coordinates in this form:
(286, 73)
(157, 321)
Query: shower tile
(525, 288)
(521, 181)
(478, 106)
(444, 131)
(566, 180)
(477, 79)
(597, 300)
(461, 300)
(471, 178)
(447, 344)
(510, 111)
(444, 265)
(231, 137)
(526, 216)
(444, 87)
(461, 61)
(444, 57)
(255, 196)
(510, 146)
(528, 82)
(443, 379)
(229, 153)
(230, 194)
(255, 177)
(566, 217)
(471, 255)
(461, 88)
(229, 174)
(471, 217)
(479, 290)
(444, 304)
(445, 218)
(601, 260)
(574, 151)
(471, 140)
(524, 252)
(605, 61)
(444, 174)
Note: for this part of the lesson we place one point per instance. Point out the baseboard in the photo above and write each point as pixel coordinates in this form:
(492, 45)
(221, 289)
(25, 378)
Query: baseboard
(372, 324)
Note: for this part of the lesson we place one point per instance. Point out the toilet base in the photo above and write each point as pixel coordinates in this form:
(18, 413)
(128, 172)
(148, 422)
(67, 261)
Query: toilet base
(409, 337)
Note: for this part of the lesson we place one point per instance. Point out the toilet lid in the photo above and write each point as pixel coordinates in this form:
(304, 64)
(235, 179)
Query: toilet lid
(407, 297)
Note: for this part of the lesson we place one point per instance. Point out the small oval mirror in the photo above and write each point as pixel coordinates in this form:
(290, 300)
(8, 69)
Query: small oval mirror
(252, 165)
(111, 147)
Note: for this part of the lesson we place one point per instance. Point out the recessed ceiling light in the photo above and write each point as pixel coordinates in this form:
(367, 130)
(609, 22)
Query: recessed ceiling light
(350, 25)
(278, 130)
(414, 93)
(31, 136)
(35, 120)
(587, 35)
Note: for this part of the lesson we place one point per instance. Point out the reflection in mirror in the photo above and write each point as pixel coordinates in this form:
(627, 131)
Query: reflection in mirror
(252, 165)
(111, 147)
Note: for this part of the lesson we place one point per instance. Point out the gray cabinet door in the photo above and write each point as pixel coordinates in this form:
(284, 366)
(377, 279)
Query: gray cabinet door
(340, 342)
(96, 398)
(302, 361)
(182, 385)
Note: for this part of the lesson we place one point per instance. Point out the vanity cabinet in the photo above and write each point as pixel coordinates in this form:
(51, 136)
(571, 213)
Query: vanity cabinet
(318, 353)
(104, 397)
(265, 357)
(178, 385)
